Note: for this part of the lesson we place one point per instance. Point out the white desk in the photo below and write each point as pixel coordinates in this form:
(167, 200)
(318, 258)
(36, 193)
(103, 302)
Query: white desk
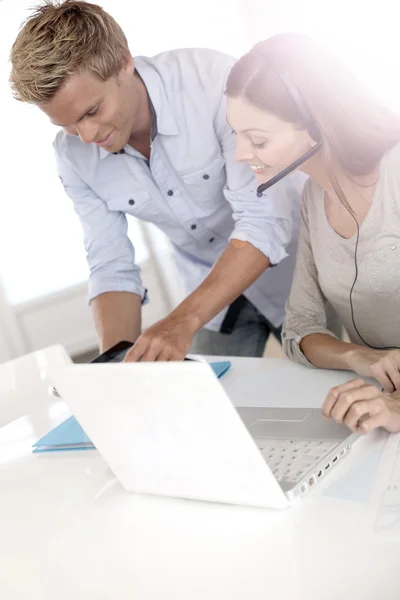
(69, 531)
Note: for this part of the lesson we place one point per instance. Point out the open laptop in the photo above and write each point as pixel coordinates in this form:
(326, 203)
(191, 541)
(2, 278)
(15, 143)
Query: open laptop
(170, 429)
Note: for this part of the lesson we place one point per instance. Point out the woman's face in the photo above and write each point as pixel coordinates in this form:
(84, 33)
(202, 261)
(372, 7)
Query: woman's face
(264, 141)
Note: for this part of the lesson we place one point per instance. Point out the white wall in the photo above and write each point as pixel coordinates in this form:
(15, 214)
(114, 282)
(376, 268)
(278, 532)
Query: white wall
(12, 342)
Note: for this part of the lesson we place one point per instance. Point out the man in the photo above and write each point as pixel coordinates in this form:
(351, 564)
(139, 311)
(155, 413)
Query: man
(149, 137)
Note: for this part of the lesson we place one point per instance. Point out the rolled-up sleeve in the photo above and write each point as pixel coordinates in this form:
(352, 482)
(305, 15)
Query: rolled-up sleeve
(110, 253)
(307, 309)
(267, 222)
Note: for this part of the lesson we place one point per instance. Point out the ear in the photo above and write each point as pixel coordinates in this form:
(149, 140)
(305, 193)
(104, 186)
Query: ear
(127, 63)
(311, 141)
(299, 126)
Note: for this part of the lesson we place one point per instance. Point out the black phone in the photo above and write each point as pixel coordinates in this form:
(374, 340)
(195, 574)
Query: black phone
(116, 354)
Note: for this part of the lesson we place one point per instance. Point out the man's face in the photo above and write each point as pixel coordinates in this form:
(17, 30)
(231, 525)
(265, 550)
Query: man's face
(100, 112)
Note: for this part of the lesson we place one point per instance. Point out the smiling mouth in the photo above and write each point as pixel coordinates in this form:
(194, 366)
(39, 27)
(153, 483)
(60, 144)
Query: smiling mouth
(105, 140)
(258, 168)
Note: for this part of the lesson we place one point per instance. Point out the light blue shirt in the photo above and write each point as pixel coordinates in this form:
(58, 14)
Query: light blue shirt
(191, 188)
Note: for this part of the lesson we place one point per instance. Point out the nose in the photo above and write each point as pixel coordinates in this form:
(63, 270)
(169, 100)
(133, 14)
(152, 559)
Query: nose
(86, 131)
(243, 153)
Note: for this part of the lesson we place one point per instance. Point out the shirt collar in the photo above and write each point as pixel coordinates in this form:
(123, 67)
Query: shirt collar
(162, 119)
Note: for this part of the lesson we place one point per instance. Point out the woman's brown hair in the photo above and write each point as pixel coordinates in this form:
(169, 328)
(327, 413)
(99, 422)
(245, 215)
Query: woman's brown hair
(355, 128)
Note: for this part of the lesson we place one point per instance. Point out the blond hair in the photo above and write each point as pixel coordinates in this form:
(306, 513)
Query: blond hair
(60, 39)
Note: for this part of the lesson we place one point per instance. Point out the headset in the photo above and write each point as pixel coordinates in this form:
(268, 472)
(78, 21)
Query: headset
(316, 135)
(311, 127)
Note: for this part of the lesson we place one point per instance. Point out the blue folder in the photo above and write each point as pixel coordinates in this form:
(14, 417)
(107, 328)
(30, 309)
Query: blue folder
(69, 435)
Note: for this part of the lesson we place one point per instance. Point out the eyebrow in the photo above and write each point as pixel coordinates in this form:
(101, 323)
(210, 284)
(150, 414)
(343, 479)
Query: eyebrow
(253, 129)
(250, 129)
(88, 110)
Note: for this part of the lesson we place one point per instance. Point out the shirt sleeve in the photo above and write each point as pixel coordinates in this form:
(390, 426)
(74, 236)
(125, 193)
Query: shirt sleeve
(110, 253)
(307, 310)
(268, 222)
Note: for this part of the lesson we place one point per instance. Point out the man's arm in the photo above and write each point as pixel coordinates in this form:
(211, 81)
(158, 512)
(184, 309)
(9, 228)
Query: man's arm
(115, 287)
(171, 338)
(238, 267)
(117, 317)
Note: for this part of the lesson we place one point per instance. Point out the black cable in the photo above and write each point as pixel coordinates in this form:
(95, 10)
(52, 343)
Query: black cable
(352, 288)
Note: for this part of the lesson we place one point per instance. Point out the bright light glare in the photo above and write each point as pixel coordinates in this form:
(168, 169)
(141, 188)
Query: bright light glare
(41, 246)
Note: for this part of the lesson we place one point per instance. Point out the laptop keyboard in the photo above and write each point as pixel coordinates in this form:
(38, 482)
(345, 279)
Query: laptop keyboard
(290, 460)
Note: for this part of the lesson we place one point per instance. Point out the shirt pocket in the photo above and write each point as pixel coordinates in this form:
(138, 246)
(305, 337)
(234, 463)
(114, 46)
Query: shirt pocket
(383, 269)
(138, 203)
(206, 185)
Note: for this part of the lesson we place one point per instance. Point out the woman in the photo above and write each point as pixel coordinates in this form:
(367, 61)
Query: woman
(288, 99)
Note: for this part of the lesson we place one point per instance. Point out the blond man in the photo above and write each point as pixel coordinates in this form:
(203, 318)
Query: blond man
(148, 137)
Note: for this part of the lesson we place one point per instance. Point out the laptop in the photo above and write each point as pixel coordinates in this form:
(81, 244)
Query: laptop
(170, 429)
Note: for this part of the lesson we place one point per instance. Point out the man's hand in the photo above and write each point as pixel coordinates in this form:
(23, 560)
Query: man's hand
(171, 338)
(382, 365)
(363, 407)
(168, 339)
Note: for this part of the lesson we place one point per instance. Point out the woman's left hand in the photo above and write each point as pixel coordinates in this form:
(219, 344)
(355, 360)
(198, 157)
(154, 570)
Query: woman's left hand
(363, 407)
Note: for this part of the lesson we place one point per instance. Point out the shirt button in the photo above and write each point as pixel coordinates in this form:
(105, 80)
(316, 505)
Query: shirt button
(394, 247)
(170, 193)
(131, 202)
(193, 226)
(205, 176)
(211, 240)
(259, 195)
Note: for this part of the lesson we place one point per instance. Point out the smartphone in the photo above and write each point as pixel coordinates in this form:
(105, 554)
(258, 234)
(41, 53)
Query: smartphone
(116, 354)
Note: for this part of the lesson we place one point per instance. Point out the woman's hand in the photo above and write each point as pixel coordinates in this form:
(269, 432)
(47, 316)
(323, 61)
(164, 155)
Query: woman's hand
(382, 365)
(363, 407)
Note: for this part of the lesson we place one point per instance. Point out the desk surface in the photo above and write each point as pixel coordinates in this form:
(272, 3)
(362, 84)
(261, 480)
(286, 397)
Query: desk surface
(68, 530)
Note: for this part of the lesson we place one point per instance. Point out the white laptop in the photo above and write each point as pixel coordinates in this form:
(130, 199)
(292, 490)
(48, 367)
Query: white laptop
(170, 429)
